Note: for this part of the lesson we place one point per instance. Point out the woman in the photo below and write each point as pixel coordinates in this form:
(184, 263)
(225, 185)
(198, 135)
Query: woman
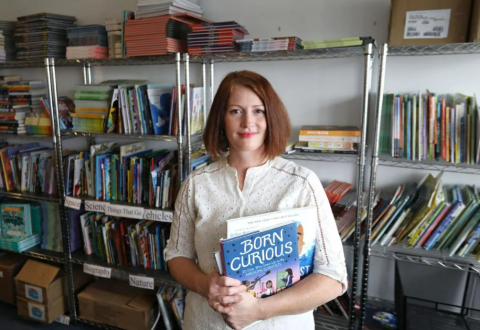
(247, 129)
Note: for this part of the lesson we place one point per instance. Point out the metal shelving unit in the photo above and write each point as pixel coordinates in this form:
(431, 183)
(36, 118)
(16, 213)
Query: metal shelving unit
(343, 52)
(402, 252)
(428, 165)
(442, 49)
(324, 322)
(320, 157)
(42, 254)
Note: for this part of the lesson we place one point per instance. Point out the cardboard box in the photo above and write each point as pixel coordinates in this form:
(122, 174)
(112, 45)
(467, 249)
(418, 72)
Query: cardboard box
(435, 22)
(474, 35)
(39, 282)
(10, 264)
(46, 313)
(116, 303)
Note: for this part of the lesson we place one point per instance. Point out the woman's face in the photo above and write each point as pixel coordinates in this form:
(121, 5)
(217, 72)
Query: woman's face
(245, 121)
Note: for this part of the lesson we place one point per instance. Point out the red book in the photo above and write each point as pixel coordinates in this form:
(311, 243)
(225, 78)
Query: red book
(444, 129)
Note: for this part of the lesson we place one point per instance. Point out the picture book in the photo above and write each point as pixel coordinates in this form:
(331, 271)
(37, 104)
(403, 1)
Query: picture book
(306, 220)
(16, 220)
(197, 110)
(160, 98)
(265, 261)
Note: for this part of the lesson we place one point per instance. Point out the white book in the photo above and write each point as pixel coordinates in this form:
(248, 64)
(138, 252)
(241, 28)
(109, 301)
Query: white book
(86, 233)
(77, 176)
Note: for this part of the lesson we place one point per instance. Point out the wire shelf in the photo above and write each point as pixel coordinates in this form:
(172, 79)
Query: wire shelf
(65, 135)
(42, 254)
(443, 49)
(432, 258)
(122, 272)
(165, 138)
(429, 165)
(337, 158)
(28, 196)
(324, 322)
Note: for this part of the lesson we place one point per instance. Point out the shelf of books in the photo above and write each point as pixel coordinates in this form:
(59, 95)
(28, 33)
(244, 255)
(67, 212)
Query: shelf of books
(402, 252)
(96, 266)
(42, 254)
(440, 165)
(299, 54)
(441, 49)
(321, 157)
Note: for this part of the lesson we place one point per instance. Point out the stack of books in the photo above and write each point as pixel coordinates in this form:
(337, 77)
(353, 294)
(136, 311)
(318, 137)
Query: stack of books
(42, 35)
(270, 44)
(65, 108)
(221, 37)
(87, 41)
(150, 8)
(91, 107)
(329, 139)
(26, 95)
(21, 226)
(429, 216)
(8, 41)
(125, 242)
(333, 43)
(431, 127)
(158, 35)
(338, 307)
(113, 26)
(27, 168)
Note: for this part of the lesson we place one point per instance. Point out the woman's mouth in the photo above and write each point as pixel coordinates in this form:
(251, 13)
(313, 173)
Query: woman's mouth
(246, 135)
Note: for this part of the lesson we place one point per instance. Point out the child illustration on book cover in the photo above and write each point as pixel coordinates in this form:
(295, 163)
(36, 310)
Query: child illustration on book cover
(306, 232)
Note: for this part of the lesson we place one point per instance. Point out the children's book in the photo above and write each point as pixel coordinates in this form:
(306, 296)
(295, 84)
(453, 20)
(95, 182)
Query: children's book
(265, 261)
(197, 110)
(306, 220)
(160, 99)
(16, 220)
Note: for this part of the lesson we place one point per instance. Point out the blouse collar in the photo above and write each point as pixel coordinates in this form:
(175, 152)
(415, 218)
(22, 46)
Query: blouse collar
(269, 163)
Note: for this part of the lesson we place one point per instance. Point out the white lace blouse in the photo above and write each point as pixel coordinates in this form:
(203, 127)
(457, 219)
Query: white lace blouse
(211, 195)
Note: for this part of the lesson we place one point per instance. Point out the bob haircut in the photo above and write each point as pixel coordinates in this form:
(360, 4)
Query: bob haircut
(278, 122)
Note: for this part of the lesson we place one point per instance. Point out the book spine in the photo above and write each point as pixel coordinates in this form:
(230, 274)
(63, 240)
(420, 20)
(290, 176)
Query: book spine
(329, 133)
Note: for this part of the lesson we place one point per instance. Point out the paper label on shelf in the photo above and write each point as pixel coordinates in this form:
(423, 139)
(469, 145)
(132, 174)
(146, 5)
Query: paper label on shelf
(33, 293)
(96, 206)
(156, 215)
(142, 282)
(63, 319)
(97, 270)
(36, 311)
(125, 211)
(73, 203)
(167, 216)
(427, 24)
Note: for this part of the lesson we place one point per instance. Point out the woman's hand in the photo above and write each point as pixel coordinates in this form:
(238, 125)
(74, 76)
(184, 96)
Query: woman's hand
(245, 312)
(221, 292)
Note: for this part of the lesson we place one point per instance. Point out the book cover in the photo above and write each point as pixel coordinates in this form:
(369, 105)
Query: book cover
(160, 99)
(16, 220)
(265, 261)
(197, 111)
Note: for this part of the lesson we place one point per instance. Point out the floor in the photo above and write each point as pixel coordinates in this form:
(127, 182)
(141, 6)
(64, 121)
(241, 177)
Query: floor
(9, 320)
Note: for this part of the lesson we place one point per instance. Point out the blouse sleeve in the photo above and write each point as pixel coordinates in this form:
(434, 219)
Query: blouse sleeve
(181, 242)
(329, 256)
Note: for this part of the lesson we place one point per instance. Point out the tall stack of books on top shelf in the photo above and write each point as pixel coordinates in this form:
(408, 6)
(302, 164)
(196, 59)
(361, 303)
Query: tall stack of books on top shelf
(334, 43)
(113, 26)
(429, 216)
(87, 41)
(7, 29)
(270, 44)
(42, 35)
(431, 127)
(20, 226)
(329, 139)
(160, 27)
(209, 38)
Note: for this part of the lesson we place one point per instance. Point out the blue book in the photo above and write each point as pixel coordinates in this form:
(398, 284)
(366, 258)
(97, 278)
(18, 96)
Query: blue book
(160, 99)
(453, 213)
(265, 261)
(98, 175)
(107, 178)
(16, 220)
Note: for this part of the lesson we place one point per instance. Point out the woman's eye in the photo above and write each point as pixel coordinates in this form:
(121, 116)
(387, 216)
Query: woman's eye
(260, 111)
(234, 111)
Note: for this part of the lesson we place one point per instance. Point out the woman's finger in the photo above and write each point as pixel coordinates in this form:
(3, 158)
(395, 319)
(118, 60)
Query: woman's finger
(231, 290)
(228, 281)
(224, 309)
(225, 300)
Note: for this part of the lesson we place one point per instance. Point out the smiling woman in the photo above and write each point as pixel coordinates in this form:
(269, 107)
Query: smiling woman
(247, 130)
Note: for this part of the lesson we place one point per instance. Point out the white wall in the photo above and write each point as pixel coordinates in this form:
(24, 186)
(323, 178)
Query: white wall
(315, 91)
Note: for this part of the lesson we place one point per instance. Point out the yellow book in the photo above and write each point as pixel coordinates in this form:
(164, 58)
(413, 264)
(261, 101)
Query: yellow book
(331, 130)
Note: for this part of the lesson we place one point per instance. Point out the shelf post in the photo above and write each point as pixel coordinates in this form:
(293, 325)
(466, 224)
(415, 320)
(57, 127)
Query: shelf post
(367, 83)
(204, 84)
(373, 179)
(186, 61)
(64, 221)
(178, 85)
(212, 77)
(89, 74)
(85, 80)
